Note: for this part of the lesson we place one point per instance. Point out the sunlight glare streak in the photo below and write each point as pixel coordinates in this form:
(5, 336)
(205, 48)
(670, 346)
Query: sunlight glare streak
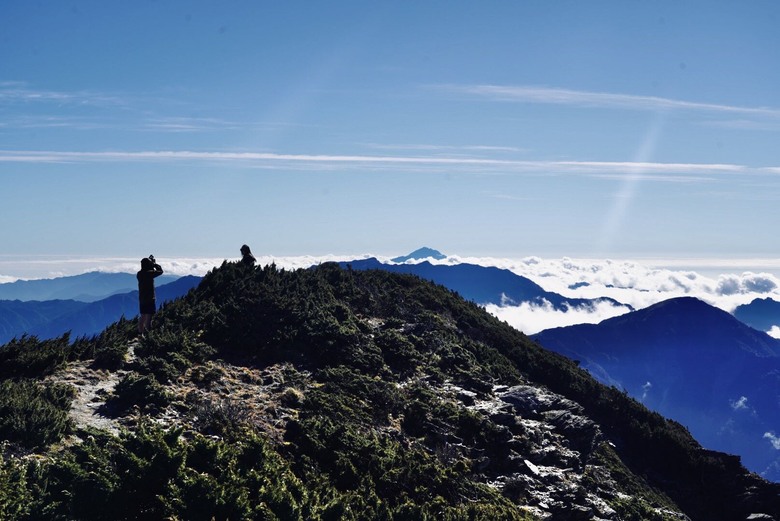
(630, 185)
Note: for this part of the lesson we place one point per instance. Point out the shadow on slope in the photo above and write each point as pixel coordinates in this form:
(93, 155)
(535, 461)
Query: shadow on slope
(694, 363)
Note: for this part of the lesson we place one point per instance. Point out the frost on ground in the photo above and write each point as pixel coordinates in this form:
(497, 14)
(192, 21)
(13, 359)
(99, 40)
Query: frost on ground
(266, 397)
(93, 387)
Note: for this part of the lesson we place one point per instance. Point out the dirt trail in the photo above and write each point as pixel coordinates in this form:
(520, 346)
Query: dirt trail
(93, 387)
(266, 397)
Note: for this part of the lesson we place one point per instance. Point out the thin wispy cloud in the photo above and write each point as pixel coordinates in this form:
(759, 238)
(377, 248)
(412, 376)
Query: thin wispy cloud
(669, 172)
(559, 96)
(57, 122)
(506, 197)
(741, 404)
(446, 148)
(183, 124)
(19, 92)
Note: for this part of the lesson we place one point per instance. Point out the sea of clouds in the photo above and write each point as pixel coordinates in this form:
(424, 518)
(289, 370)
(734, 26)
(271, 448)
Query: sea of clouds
(631, 283)
(635, 284)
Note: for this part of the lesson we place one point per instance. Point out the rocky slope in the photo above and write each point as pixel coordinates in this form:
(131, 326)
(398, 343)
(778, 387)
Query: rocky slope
(337, 394)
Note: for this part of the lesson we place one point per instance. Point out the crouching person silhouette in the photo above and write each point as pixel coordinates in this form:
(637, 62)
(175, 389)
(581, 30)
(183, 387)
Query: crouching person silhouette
(146, 298)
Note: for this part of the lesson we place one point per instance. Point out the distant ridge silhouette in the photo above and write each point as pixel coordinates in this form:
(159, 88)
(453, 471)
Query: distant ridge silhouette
(87, 287)
(483, 285)
(761, 313)
(52, 318)
(420, 254)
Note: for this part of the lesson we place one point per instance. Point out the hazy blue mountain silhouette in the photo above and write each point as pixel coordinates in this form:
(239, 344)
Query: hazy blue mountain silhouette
(421, 253)
(482, 284)
(87, 287)
(49, 319)
(761, 313)
(17, 317)
(691, 362)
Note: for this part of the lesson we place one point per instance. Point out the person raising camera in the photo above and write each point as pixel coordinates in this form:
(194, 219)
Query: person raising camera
(146, 298)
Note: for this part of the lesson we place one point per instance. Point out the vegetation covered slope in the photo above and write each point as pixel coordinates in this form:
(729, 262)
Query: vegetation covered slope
(331, 394)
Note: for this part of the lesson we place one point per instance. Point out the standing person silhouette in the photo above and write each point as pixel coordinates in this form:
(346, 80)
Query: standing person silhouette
(247, 259)
(146, 298)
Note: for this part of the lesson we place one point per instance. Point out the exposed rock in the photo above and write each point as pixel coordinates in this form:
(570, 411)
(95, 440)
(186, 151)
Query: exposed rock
(548, 441)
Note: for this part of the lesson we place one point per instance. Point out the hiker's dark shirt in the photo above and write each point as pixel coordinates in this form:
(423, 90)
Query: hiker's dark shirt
(146, 283)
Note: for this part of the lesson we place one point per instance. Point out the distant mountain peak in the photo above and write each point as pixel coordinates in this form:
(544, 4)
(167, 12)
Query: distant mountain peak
(420, 254)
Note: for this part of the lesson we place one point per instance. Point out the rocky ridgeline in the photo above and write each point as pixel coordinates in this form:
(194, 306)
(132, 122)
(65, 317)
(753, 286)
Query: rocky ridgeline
(331, 394)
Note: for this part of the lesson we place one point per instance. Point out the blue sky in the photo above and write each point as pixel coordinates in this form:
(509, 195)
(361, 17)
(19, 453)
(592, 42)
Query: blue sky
(617, 129)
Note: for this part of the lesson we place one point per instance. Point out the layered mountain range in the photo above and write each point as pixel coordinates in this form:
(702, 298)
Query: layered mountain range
(483, 285)
(87, 287)
(332, 393)
(683, 358)
(109, 296)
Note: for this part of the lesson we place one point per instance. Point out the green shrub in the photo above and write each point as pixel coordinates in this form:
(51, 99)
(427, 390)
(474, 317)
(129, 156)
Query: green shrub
(141, 390)
(108, 350)
(206, 375)
(110, 478)
(168, 351)
(227, 418)
(30, 357)
(164, 370)
(15, 495)
(32, 414)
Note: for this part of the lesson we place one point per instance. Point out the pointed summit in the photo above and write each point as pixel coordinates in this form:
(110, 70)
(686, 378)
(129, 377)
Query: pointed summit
(420, 254)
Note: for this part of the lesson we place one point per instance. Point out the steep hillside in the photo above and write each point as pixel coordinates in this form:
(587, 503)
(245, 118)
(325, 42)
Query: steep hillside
(694, 363)
(330, 394)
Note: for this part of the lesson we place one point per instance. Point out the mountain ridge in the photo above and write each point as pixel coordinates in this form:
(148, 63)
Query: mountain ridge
(483, 284)
(86, 287)
(420, 254)
(330, 393)
(761, 313)
(692, 362)
(51, 318)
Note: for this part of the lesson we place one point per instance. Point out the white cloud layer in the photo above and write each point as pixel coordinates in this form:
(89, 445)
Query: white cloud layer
(633, 283)
(638, 284)
(531, 319)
